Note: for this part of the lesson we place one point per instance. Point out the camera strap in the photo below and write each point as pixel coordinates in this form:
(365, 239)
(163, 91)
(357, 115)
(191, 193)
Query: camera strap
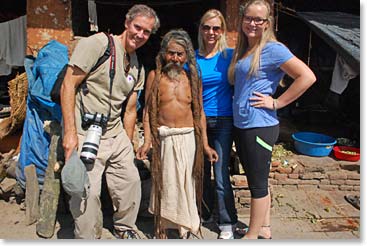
(110, 51)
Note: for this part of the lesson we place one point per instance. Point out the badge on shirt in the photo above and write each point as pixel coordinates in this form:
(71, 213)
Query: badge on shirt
(130, 79)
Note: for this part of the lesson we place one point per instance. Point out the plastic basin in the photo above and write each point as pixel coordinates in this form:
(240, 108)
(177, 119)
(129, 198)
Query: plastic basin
(313, 144)
(346, 153)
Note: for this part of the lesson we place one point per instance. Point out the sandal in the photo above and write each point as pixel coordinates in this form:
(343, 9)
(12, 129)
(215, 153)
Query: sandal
(127, 234)
(262, 237)
(243, 231)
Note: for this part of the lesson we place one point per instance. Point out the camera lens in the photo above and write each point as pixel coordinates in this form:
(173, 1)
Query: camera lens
(91, 145)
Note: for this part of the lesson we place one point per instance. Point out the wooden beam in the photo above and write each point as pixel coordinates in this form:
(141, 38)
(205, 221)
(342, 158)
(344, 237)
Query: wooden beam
(31, 194)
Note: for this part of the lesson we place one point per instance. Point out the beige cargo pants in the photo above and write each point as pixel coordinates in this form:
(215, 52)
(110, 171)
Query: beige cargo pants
(115, 157)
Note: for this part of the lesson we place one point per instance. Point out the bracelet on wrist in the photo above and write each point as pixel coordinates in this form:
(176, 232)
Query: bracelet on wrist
(275, 106)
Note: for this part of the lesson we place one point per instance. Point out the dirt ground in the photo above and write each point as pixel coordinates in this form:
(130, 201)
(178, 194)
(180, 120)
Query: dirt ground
(297, 215)
(337, 220)
(13, 226)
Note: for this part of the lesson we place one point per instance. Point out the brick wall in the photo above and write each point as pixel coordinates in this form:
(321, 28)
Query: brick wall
(302, 172)
(47, 20)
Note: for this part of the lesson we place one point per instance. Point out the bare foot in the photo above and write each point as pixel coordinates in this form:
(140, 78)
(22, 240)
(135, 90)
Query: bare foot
(265, 232)
(246, 237)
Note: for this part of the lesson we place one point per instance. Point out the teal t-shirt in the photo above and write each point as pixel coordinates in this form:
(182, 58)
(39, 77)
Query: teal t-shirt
(273, 55)
(217, 92)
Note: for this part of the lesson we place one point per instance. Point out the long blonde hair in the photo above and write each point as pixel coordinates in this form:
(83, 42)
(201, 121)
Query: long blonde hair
(222, 42)
(242, 44)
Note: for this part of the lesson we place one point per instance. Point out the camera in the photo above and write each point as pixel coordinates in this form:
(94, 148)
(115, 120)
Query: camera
(96, 125)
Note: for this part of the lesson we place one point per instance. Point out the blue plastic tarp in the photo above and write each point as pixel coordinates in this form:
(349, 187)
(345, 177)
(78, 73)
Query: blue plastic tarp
(41, 73)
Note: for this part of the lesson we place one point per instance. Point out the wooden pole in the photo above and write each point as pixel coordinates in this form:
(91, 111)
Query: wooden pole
(51, 187)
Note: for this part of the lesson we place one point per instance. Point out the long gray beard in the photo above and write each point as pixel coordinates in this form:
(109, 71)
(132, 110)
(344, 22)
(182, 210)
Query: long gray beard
(172, 70)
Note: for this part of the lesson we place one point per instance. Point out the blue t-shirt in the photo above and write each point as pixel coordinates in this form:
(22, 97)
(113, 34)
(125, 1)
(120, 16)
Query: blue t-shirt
(273, 55)
(217, 92)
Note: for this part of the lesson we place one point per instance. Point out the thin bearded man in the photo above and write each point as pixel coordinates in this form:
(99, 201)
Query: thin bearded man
(174, 125)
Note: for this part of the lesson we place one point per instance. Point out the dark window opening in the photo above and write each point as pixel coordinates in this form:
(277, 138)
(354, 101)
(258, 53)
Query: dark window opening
(172, 14)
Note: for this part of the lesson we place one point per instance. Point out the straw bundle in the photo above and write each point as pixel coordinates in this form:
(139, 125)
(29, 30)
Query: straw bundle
(18, 89)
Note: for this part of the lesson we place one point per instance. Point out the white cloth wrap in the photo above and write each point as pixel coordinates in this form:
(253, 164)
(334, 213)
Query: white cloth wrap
(178, 203)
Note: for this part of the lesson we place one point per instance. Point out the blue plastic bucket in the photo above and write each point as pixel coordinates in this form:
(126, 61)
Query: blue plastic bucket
(313, 144)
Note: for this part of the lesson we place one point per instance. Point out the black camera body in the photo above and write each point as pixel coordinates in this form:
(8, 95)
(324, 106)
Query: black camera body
(94, 119)
(96, 125)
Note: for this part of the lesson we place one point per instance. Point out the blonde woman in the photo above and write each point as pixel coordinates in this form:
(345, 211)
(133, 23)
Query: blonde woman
(213, 58)
(259, 63)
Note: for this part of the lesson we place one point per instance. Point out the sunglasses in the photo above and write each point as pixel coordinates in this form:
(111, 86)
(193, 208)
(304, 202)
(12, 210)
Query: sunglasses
(207, 28)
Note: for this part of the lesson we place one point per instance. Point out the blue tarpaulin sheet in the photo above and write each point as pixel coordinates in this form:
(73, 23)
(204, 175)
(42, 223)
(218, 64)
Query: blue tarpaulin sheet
(41, 73)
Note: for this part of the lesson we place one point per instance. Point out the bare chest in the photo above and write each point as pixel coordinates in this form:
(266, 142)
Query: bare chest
(177, 89)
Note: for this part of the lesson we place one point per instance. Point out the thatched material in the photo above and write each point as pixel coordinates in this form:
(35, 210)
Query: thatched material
(18, 89)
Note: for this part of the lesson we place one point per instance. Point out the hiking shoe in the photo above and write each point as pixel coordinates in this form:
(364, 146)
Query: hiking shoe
(241, 231)
(191, 236)
(226, 235)
(128, 234)
(172, 233)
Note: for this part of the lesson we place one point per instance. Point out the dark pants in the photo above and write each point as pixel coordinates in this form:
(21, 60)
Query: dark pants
(254, 148)
(220, 137)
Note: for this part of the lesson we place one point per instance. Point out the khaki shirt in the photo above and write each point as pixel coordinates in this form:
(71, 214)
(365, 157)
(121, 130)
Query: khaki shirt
(85, 55)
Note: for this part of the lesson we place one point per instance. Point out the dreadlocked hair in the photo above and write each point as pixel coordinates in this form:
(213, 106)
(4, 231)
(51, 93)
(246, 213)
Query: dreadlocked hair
(180, 37)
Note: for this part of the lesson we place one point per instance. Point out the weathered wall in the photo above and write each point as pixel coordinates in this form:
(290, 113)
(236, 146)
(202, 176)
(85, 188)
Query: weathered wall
(47, 20)
(52, 19)
(230, 11)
